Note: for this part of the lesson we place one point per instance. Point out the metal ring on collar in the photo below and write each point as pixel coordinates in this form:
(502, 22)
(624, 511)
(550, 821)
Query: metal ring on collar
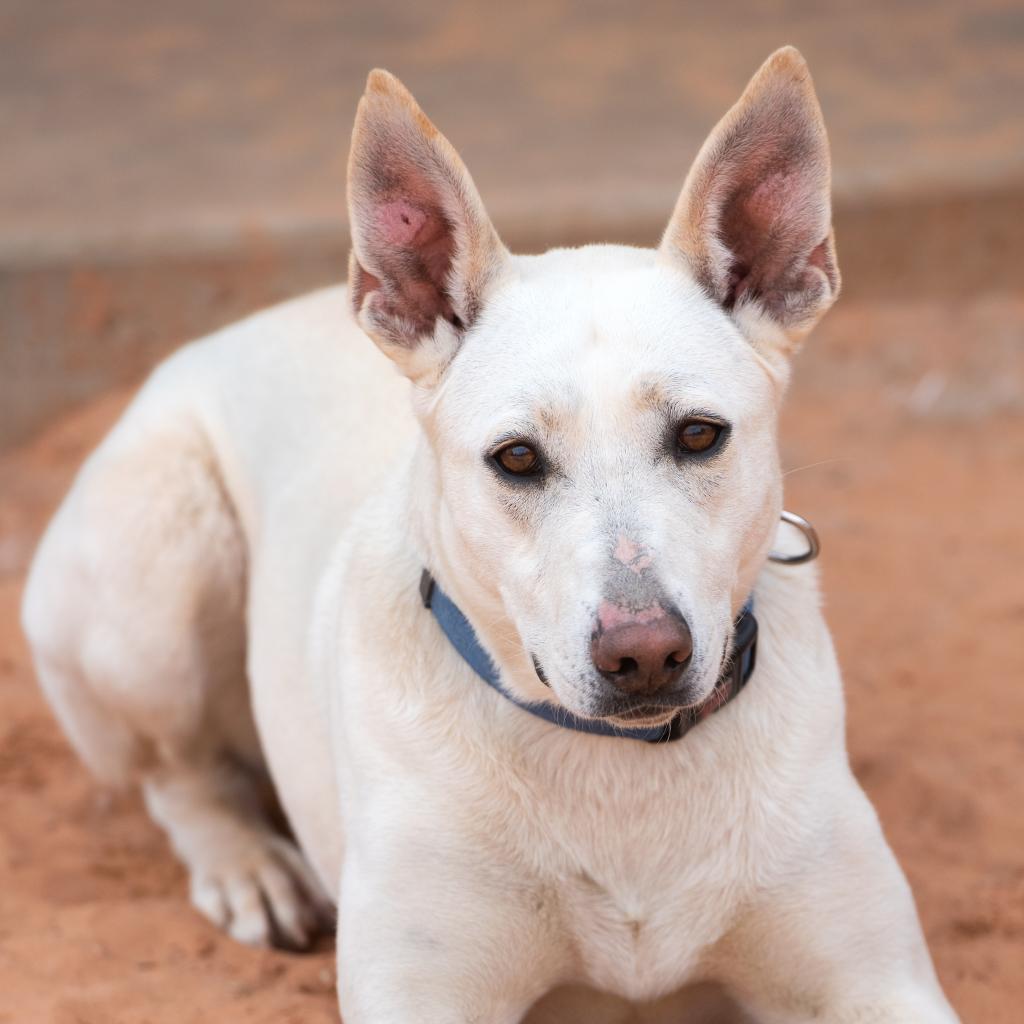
(811, 536)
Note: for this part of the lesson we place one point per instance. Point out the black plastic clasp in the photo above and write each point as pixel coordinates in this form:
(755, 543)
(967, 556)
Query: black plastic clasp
(745, 650)
(426, 588)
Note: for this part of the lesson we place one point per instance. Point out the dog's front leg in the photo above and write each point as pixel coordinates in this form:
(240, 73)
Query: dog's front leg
(442, 937)
(839, 940)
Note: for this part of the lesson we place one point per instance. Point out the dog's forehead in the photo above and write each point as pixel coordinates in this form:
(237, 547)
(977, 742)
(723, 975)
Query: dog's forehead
(606, 327)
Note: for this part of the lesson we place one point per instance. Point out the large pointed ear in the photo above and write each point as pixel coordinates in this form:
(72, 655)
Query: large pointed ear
(753, 223)
(423, 249)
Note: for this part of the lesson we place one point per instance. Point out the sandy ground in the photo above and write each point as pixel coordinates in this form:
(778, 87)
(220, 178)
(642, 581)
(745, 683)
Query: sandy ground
(905, 437)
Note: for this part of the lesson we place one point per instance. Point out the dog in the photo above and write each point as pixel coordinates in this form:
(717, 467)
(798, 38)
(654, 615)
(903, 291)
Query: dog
(471, 619)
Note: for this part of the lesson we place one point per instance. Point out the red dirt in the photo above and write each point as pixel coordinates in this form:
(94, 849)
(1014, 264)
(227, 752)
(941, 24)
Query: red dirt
(906, 436)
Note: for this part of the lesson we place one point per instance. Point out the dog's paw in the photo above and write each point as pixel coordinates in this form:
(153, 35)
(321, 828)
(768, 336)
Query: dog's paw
(264, 895)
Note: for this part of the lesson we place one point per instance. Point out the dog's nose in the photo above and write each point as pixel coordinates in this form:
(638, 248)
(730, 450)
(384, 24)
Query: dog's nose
(642, 651)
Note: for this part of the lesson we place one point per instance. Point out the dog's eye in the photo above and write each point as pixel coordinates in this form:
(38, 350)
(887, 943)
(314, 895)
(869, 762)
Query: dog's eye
(696, 436)
(518, 459)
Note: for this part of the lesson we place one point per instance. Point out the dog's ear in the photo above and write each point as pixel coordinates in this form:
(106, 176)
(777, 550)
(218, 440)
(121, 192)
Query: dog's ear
(753, 223)
(423, 249)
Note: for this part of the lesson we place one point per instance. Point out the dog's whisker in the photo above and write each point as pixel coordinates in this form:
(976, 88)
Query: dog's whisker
(814, 465)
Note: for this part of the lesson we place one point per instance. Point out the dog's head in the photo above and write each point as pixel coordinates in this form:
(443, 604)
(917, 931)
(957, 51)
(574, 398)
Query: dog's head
(601, 455)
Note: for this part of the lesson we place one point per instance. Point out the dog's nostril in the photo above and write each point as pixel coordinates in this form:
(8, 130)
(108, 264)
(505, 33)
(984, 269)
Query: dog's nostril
(626, 666)
(677, 659)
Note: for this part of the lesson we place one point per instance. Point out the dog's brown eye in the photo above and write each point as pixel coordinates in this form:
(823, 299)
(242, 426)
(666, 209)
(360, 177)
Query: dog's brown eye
(518, 459)
(698, 435)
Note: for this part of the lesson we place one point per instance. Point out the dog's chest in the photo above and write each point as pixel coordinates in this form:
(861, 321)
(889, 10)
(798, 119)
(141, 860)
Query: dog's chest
(643, 900)
(629, 944)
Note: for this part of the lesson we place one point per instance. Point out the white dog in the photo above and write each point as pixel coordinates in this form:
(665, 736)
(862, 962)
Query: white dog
(235, 588)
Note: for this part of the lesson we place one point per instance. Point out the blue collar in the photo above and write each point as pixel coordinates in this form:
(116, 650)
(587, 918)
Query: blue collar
(456, 627)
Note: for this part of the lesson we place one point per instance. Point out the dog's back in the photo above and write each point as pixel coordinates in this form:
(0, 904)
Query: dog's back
(239, 461)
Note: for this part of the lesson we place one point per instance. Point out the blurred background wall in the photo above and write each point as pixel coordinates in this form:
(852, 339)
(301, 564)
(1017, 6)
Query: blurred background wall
(167, 167)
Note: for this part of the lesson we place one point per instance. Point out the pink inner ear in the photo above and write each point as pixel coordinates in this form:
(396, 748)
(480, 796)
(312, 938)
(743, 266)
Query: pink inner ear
(777, 198)
(399, 222)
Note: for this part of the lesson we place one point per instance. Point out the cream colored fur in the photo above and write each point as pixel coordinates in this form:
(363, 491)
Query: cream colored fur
(229, 594)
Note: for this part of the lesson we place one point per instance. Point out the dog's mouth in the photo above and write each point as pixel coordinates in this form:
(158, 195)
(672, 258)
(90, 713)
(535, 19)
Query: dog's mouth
(540, 671)
(623, 714)
(643, 715)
